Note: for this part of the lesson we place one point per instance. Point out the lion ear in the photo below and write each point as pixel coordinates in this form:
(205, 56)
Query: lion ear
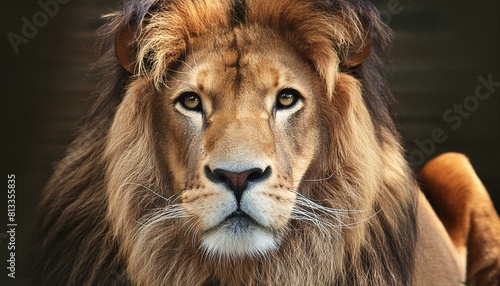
(356, 54)
(126, 48)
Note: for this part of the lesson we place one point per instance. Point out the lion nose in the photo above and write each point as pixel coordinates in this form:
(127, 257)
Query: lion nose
(238, 181)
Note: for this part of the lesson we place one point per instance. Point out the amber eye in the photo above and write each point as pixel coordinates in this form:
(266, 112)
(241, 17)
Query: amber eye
(287, 98)
(191, 101)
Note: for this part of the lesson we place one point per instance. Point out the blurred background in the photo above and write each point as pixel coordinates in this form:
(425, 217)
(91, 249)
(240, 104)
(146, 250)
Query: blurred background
(443, 50)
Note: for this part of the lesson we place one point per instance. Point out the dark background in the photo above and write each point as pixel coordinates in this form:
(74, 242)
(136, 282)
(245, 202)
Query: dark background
(440, 50)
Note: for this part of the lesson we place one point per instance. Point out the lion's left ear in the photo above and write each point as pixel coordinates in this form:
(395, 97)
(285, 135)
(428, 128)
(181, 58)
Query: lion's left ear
(369, 35)
(356, 53)
(126, 48)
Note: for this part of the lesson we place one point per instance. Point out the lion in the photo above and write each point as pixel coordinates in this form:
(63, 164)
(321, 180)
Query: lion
(252, 142)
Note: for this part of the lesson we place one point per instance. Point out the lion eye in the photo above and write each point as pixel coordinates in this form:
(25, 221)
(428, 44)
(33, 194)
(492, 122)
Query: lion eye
(191, 101)
(287, 98)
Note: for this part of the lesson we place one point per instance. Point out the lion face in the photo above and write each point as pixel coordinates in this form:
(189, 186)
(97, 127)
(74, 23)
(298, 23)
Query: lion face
(238, 119)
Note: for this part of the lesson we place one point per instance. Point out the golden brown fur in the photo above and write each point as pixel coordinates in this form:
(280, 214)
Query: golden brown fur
(467, 212)
(136, 200)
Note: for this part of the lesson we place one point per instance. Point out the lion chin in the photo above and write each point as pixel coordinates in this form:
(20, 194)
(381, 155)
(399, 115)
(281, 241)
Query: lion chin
(251, 142)
(239, 235)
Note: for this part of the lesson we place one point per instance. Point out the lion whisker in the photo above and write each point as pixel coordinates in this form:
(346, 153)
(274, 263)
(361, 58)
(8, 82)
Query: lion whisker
(191, 229)
(175, 211)
(148, 189)
(354, 224)
(312, 204)
(325, 218)
(316, 180)
(302, 215)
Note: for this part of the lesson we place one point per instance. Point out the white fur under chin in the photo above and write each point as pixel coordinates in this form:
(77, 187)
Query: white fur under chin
(239, 237)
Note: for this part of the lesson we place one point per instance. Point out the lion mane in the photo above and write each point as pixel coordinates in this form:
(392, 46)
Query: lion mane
(115, 175)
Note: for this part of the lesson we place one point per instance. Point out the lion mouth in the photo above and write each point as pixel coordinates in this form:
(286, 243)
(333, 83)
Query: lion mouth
(239, 214)
(239, 221)
(239, 235)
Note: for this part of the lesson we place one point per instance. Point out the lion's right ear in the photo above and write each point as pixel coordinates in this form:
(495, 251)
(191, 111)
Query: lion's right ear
(126, 48)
